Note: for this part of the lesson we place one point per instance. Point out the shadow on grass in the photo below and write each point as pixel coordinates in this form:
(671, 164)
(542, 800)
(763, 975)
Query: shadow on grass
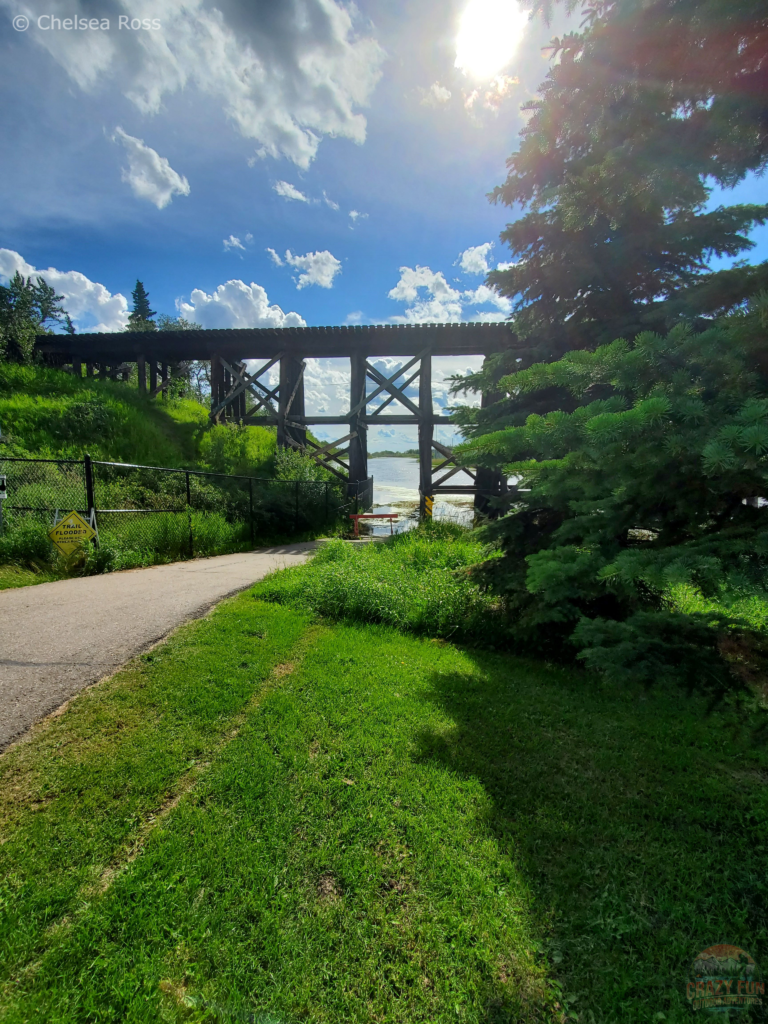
(638, 824)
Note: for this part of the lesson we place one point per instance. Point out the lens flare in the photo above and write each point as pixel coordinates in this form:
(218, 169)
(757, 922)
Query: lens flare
(489, 33)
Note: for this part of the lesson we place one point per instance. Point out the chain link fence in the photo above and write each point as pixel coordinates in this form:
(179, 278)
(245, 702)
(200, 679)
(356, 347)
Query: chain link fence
(160, 514)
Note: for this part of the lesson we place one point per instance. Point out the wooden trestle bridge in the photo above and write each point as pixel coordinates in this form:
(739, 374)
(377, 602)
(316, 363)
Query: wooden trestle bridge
(243, 394)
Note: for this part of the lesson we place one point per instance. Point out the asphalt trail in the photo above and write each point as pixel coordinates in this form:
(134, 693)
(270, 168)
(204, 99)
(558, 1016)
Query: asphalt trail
(57, 638)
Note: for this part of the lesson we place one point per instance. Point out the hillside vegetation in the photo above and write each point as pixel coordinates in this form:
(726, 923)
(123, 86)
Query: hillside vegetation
(45, 413)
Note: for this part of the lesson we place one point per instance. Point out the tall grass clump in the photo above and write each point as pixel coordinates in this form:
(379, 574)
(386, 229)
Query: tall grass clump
(416, 581)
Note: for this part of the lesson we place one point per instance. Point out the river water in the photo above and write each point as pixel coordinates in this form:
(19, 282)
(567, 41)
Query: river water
(396, 489)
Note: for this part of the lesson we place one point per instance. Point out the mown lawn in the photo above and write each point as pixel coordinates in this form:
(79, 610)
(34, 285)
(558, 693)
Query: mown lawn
(273, 818)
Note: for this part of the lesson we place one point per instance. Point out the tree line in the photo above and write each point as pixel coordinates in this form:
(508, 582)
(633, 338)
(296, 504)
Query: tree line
(30, 306)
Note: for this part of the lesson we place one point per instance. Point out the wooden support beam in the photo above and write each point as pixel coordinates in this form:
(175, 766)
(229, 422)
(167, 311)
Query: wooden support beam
(152, 376)
(358, 448)
(164, 381)
(425, 433)
(291, 396)
(217, 386)
(141, 365)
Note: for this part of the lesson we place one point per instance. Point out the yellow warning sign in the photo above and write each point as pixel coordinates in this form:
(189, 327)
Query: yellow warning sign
(428, 505)
(70, 533)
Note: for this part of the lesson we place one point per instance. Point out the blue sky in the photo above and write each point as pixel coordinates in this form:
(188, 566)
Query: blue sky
(138, 152)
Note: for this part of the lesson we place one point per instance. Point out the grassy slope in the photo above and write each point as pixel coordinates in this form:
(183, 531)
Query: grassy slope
(341, 823)
(48, 413)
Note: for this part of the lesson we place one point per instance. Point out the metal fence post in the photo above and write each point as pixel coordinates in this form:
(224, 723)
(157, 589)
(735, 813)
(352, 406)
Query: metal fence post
(296, 509)
(325, 520)
(90, 498)
(189, 519)
(250, 511)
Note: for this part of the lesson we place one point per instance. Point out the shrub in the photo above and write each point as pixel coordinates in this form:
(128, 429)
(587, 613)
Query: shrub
(416, 581)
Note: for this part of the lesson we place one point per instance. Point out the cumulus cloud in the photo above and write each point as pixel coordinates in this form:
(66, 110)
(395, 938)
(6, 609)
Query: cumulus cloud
(233, 243)
(275, 258)
(289, 191)
(488, 296)
(150, 175)
(236, 304)
(286, 74)
(475, 259)
(433, 300)
(318, 268)
(91, 306)
(355, 216)
(435, 95)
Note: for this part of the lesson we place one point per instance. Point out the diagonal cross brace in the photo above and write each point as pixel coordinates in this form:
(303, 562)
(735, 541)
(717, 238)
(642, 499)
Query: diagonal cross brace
(387, 383)
(391, 398)
(249, 381)
(449, 458)
(394, 390)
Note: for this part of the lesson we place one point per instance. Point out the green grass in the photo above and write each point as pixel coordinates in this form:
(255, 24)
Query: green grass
(48, 413)
(305, 821)
(416, 581)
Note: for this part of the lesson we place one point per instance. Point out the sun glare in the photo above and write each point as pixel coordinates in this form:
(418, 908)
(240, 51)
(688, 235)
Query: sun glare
(489, 33)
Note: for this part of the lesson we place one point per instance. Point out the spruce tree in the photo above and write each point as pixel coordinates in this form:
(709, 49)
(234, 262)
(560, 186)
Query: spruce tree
(647, 107)
(635, 519)
(140, 318)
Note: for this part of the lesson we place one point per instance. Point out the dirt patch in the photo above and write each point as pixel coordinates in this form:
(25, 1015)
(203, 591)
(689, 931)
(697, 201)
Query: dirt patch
(282, 670)
(328, 889)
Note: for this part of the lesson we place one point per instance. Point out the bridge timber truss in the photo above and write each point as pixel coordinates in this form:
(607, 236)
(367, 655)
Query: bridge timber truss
(243, 392)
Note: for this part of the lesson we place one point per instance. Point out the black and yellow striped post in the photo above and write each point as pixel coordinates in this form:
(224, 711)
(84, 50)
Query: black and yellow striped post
(427, 504)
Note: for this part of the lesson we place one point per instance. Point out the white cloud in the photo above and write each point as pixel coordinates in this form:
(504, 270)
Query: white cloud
(275, 258)
(442, 304)
(233, 243)
(236, 304)
(488, 296)
(435, 95)
(355, 216)
(289, 191)
(330, 202)
(150, 175)
(318, 268)
(285, 74)
(475, 259)
(91, 306)
(249, 237)
(433, 300)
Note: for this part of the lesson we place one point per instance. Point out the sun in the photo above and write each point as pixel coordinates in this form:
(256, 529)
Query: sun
(489, 33)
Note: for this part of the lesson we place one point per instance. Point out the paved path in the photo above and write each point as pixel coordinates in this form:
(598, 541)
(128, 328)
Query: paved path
(56, 638)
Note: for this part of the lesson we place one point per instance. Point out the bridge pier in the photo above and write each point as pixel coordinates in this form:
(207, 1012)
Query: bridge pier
(426, 432)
